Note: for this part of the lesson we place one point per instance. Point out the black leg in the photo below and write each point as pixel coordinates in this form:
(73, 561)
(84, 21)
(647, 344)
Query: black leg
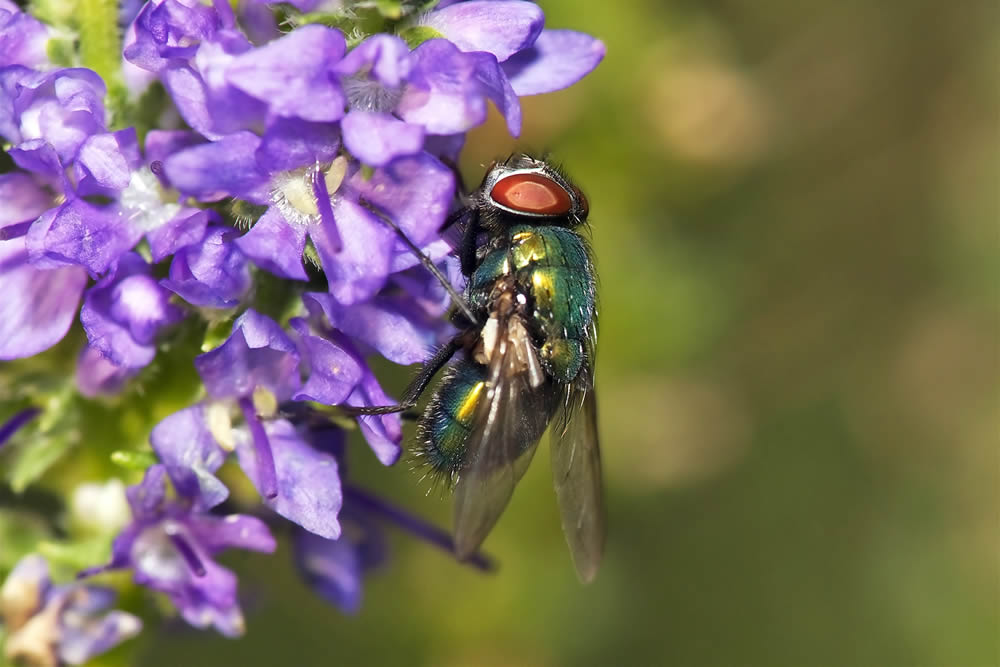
(467, 251)
(456, 217)
(456, 298)
(417, 386)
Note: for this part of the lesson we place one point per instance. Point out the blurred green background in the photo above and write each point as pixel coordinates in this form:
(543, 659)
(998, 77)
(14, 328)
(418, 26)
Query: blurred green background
(795, 213)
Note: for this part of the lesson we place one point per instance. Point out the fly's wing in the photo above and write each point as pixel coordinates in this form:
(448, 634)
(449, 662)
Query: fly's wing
(576, 472)
(508, 422)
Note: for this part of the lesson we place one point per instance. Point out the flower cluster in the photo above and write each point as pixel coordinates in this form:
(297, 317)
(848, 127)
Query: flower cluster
(217, 200)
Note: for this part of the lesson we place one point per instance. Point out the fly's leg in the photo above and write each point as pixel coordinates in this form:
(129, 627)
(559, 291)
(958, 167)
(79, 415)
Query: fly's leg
(467, 251)
(456, 298)
(417, 386)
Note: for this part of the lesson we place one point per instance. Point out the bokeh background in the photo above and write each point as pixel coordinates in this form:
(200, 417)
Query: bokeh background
(795, 213)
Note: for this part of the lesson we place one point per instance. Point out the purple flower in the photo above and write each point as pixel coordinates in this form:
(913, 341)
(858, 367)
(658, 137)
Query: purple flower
(54, 625)
(212, 273)
(556, 60)
(96, 237)
(124, 312)
(62, 108)
(22, 38)
(500, 27)
(255, 369)
(169, 547)
(39, 304)
(447, 90)
(194, 442)
(339, 374)
(355, 248)
(96, 375)
(293, 76)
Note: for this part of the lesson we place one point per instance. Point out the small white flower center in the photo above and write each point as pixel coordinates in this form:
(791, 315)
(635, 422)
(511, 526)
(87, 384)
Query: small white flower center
(366, 94)
(294, 192)
(220, 425)
(101, 508)
(146, 203)
(156, 556)
(265, 402)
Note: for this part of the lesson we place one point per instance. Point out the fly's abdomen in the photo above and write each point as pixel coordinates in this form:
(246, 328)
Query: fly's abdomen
(446, 423)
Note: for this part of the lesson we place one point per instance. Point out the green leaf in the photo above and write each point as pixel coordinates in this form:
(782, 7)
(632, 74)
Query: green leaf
(390, 9)
(132, 460)
(61, 52)
(20, 533)
(216, 334)
(32, 460)
(38, 446)
(418, 34)
(78, 554)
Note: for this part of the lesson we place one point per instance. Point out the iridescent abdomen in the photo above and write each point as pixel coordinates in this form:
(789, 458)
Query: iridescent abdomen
(446, 423)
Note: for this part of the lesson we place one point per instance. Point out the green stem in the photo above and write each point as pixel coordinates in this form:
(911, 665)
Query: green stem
(101, 51)
(100, 44)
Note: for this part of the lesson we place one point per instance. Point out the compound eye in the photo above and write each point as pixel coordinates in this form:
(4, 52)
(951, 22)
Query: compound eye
(531, 193)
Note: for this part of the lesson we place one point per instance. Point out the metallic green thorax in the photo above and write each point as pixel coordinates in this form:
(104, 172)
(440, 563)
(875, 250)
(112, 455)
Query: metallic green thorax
(551, 267)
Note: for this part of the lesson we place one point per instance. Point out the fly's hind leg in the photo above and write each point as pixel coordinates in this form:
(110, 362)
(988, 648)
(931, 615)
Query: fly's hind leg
(417, 386)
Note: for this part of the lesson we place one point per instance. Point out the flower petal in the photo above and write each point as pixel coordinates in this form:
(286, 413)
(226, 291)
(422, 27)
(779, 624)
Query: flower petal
(186, 228)
(331, 567)
(258, 353)
(359, 268)
(378, 138)
(217, 170)
(308, 483)
(38, 306)
(557, 59)
(333, 372)
(105, 162)
(386, 56)
(497, 88)
(92, 237)
(290, 143)
(389, 325)
(124, 312)
(21, 199)
(501, 27)
(383, 432)
(234, 530)
(292, 75)
(276, 245)
(414, 191)
(186, 446)
(97, 376)
(442, 93)
(213, 273)
(146, 498)
(23, 39)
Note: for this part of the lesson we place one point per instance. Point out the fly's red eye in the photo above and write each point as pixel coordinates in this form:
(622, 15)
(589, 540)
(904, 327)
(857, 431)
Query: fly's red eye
(531, 193)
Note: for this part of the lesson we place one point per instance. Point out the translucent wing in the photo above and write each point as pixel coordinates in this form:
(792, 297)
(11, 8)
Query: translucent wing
(576, 472)
(509, 420)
